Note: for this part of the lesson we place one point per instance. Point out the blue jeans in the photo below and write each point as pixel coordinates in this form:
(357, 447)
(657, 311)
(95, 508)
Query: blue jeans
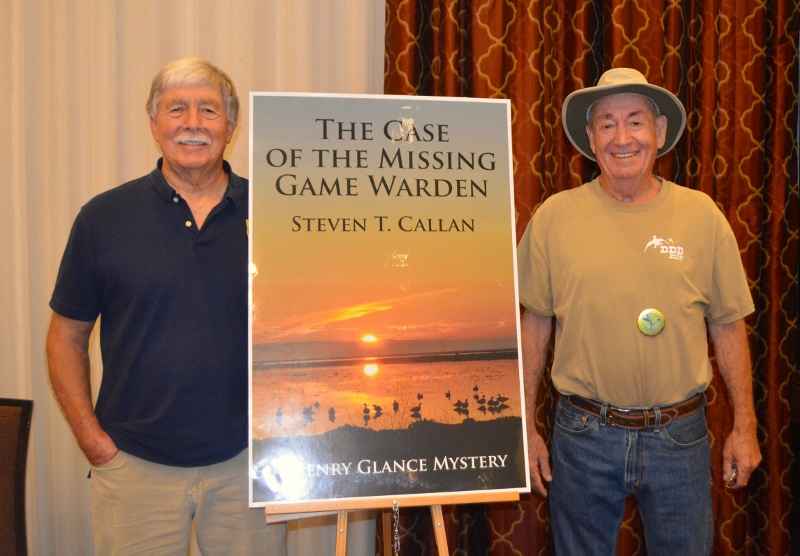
(597, 466)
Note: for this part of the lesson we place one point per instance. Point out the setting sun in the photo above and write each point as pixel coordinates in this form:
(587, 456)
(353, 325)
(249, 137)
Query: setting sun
(369, 338)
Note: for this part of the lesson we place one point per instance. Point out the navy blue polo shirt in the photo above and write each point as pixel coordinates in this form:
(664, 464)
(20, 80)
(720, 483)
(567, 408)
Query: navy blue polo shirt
(172, 302)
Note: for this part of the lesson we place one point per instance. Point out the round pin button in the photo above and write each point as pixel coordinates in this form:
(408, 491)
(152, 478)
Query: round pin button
(650, 322)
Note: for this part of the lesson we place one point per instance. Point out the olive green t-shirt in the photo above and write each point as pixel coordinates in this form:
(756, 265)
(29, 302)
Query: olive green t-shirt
(596, 264)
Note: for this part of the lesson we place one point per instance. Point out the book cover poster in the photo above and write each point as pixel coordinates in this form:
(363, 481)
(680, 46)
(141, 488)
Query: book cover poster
(385, 354)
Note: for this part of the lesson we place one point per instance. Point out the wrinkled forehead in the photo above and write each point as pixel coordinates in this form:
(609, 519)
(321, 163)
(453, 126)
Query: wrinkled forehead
(192, 93)
(625, 102)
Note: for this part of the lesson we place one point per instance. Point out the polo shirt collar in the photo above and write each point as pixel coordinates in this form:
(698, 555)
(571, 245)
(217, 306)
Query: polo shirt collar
(235, 191)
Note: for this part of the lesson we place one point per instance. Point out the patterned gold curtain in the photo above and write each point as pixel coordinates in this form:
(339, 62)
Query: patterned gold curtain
(734, 64)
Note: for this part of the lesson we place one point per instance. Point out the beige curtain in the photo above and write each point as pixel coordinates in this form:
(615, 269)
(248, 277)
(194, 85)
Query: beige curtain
(75, 77)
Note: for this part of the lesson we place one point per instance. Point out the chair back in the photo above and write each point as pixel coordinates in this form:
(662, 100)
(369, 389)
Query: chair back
(15, 428)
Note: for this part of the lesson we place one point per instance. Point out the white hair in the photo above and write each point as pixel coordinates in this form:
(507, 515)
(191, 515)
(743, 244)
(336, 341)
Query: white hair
(191, 72)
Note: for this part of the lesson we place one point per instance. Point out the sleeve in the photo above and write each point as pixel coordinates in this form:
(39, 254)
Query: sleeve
(730, 295)
(77, 294)
(533, 270)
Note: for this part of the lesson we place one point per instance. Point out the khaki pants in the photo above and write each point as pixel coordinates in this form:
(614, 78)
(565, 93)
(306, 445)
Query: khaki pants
(139, 507)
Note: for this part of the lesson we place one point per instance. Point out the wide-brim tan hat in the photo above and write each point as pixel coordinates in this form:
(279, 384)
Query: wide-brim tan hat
(620, 80)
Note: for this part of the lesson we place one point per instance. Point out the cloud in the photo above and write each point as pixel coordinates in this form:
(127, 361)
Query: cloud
(308, 323)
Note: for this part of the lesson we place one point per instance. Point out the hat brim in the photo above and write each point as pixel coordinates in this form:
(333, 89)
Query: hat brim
(577, 104)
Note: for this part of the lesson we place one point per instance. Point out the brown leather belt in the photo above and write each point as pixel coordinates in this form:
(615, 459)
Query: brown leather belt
(640, 419)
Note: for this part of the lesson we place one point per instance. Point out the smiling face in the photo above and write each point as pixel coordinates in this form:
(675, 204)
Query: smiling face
(192, 129)
(625, 135)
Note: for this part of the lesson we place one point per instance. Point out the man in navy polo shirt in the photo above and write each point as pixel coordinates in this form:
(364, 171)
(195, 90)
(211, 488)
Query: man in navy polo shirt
(163, 261)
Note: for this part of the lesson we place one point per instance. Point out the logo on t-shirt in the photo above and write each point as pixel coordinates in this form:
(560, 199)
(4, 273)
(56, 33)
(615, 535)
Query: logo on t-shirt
(665, 247)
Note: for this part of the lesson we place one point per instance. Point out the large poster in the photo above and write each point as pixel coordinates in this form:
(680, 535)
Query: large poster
(385, 355)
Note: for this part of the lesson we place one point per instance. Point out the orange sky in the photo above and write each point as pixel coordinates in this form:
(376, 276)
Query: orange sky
(339, 285)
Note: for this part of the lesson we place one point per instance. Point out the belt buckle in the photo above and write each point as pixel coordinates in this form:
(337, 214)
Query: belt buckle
(631, 413)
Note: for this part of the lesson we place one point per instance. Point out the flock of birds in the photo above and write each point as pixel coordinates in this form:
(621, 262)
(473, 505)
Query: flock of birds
(494, 405)
(308, 414)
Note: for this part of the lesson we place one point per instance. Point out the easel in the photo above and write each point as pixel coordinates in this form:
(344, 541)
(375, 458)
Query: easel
(299, 510)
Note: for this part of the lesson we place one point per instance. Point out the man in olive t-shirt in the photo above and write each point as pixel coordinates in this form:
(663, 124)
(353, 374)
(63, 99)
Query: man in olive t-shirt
(636, 271)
